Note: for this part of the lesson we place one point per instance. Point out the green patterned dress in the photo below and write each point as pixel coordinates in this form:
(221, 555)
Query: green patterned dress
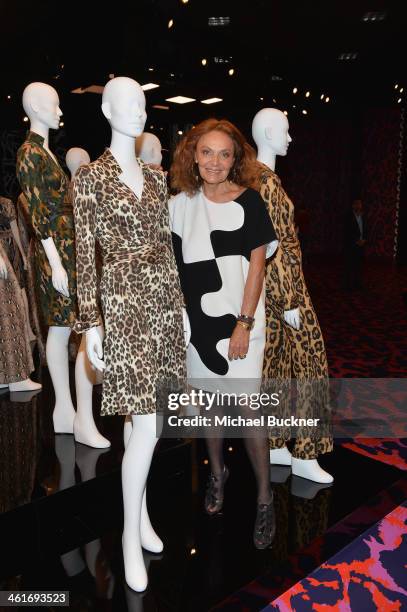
(45, 185)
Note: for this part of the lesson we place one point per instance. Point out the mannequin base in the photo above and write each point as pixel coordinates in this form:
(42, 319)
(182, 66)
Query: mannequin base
(134, 568)
(22, 385)
(310, 469)
(86, 433)
(280, 456)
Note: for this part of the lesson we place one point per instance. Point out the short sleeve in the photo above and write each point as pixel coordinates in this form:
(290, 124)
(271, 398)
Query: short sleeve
(258, 227)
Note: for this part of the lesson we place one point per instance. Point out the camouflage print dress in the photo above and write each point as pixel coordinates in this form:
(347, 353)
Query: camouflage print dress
(45, 185)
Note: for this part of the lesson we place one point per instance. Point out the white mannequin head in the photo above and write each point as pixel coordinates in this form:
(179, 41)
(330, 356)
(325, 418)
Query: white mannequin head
(75, 158)
(148, 148)
(124, 106)
(270, 133)
(41, 105)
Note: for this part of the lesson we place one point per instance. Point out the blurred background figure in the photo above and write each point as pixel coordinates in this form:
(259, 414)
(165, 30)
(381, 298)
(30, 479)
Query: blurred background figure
(354, 246)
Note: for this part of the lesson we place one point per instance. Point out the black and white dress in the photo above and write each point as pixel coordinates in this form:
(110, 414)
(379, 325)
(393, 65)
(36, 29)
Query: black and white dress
(213, 244)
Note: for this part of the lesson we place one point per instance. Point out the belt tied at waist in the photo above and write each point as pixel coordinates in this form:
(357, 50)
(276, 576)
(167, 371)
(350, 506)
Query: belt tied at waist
(147, 253)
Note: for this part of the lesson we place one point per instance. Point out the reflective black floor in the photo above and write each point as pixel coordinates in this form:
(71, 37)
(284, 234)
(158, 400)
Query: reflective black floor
(62, 515)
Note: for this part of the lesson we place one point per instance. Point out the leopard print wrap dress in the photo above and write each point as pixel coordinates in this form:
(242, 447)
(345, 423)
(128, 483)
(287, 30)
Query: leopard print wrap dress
(140, 292)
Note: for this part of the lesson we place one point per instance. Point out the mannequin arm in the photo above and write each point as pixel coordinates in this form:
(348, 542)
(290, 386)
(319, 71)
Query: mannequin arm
(85, 207)
(187, 327)
(59, 275)
(16, 235)
(3, 269)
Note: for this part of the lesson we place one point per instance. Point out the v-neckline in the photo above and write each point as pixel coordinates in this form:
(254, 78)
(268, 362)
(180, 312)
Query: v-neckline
(55, 160)
(141, 166)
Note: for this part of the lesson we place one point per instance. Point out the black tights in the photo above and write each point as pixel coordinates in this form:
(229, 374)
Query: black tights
(258, 451)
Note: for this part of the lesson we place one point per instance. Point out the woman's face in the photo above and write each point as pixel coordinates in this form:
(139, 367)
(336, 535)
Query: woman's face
(215, 156)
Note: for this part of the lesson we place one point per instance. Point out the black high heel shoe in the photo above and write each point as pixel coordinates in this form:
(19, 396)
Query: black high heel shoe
(265, 525)
(214, 492)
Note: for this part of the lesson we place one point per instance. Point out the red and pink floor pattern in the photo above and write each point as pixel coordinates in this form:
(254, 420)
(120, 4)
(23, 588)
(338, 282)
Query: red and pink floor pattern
(369, 574)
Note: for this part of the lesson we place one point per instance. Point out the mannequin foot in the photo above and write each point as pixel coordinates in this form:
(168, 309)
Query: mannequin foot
(134, 568)
(24, 385)
(149, 539)
(280, 456)
(310, 469)
(87, 433)
(63, 419)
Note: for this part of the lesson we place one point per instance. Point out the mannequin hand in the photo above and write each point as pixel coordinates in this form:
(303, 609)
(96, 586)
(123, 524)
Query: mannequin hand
(60, 280)
(187, 327)
(3, 269)
(94, 349)
(292, 318)
(239, 343)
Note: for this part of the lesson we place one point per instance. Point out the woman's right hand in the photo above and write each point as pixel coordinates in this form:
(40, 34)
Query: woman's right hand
(3, 269)
(94, 348)
(60, 280)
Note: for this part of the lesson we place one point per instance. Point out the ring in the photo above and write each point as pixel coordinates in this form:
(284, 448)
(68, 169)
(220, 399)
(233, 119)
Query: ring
(242, 356)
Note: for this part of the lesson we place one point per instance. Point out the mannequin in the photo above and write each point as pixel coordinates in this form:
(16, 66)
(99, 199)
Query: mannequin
(45, 184)
(137, 193)
(289, 304)
(148, 148)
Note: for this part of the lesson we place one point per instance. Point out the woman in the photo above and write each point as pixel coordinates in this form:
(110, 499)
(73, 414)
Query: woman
(222, 233)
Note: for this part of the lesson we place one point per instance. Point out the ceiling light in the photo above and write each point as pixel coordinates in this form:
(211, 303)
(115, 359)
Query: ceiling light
(322, 96)
(205, 461)
(374, 16)
(180, 132)
(8, 97)
(304, 112)
(307, 95)
(180, 99)
(261, 99)
(212, 100)
(396, 86)
(25, 119)
(151, 69)
(398, 101)
(401, 89)
(184, 1)
(148, 86)
(161, 106)
(275, 101)
(230, 449)
(285, 113)
(151, 127)
(170, 23)
(327, 99)
(61, 124)
(231, 72)
(218, 21)
(193, 550)
(348, 56)
(203, 62)
(295, 90)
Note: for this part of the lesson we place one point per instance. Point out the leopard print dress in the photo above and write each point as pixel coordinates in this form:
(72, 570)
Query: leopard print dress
(290, 353)
(140, 292)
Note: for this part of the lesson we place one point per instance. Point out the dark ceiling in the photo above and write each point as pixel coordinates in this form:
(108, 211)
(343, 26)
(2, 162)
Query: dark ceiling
(272, 45)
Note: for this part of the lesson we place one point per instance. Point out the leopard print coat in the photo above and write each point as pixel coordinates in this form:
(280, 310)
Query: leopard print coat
(290, 353)
(140, 292)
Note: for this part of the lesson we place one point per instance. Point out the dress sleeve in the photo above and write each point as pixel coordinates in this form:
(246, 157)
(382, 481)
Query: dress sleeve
(166, 234)
(85, 207)
(31, 173)
(259, 228)
(287, 261)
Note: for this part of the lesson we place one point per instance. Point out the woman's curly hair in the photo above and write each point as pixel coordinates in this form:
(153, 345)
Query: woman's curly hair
(184, 171)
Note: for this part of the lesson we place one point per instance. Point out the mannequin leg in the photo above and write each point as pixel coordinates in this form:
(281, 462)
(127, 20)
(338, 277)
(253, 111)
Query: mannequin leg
(149, 539)
(135, 467)
(57, 358)
(84, 427)
(31, 336)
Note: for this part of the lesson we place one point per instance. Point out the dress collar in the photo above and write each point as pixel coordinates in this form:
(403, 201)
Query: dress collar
(34, 137)
(109, 159)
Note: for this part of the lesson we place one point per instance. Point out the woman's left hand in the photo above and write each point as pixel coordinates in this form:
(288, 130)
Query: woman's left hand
(239, 343)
